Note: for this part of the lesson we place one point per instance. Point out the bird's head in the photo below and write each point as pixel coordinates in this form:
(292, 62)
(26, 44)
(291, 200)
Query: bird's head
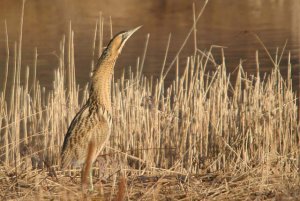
(116, 44)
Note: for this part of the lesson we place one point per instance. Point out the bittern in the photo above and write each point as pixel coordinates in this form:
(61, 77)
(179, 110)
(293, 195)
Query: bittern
(91, 127)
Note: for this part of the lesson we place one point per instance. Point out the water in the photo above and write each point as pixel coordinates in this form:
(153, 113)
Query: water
(227, 23)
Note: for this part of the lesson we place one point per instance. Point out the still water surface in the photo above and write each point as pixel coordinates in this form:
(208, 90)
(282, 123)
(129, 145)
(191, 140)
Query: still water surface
(225, 23)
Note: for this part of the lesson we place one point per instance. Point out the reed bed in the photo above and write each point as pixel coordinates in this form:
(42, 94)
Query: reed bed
(202, 137)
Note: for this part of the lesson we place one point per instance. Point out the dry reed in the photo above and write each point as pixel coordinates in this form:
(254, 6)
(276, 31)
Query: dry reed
(203, 137)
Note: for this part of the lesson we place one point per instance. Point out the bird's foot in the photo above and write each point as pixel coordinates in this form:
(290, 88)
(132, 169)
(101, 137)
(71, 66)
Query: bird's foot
(91, 188)
(87, 189)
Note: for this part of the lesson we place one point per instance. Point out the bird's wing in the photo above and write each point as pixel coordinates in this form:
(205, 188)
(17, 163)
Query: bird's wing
(78, 132)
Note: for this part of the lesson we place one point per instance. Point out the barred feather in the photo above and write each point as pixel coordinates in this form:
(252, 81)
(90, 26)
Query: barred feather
(89, 122)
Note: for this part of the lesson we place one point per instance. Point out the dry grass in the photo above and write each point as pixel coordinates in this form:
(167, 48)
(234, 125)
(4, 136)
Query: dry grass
(203, 137)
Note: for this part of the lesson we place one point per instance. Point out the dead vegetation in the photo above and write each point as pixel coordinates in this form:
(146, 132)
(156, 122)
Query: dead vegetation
(203, 137)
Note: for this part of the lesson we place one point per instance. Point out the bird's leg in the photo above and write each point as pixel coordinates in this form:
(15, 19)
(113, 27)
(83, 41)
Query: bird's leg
(91, 180)
(87, 169)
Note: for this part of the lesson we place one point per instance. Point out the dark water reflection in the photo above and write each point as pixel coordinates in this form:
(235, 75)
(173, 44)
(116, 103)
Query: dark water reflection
(226, 23)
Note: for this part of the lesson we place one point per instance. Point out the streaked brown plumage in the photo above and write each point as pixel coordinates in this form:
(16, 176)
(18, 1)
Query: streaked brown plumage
(92, 124)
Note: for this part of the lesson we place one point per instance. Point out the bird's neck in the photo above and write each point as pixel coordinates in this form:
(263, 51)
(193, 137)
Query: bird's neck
(101, 83)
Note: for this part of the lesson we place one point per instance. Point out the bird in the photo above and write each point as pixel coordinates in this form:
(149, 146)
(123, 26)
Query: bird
(91, 127)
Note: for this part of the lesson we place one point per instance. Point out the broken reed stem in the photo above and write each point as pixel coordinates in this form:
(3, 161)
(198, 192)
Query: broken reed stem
(121, 189)
(7, 62)
(186, 39)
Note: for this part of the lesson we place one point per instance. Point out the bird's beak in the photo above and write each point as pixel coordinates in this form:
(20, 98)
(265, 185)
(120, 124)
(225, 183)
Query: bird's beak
(130, 32)
(125, 37)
